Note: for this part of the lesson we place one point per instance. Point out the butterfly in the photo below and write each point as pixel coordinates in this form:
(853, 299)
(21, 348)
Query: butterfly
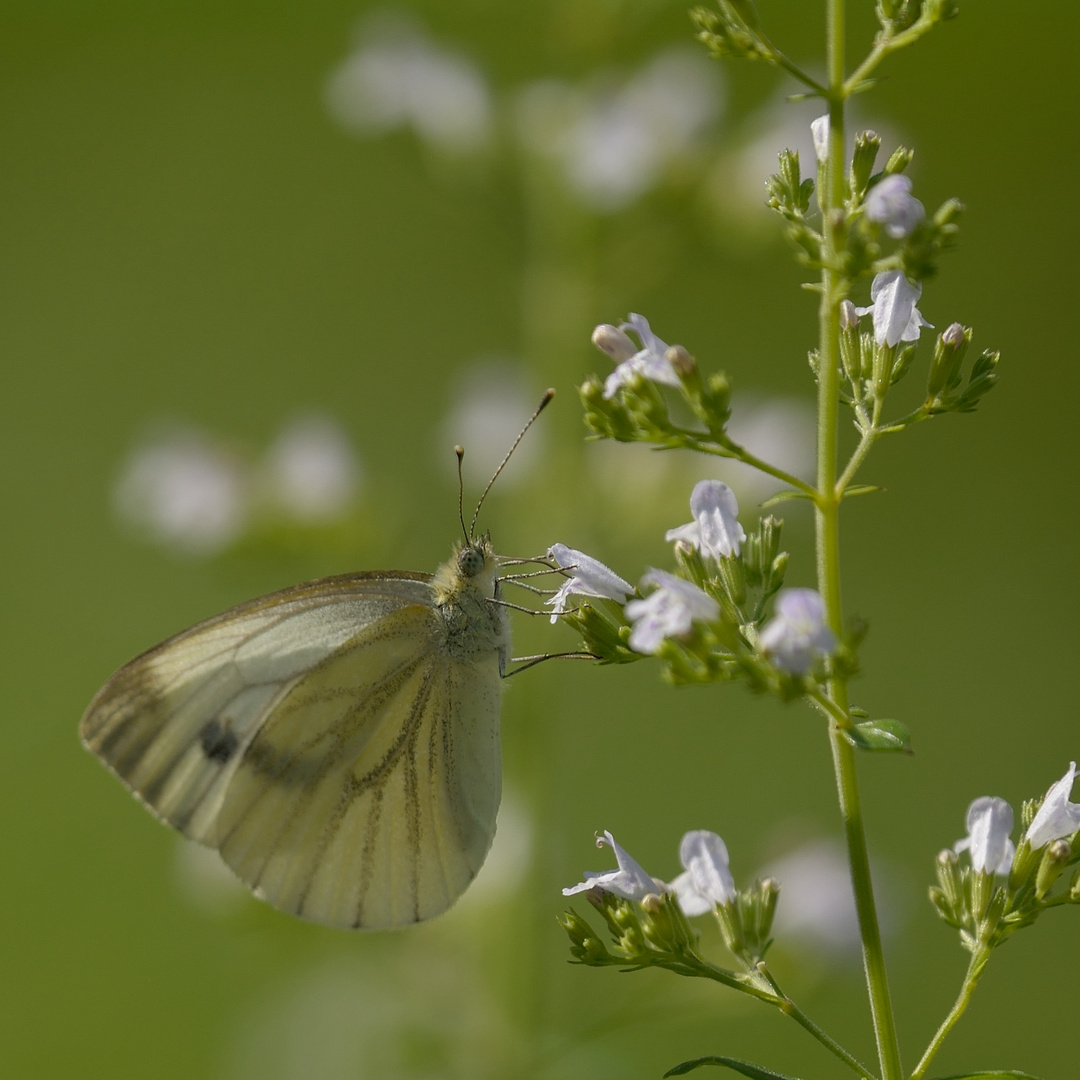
(337, 742)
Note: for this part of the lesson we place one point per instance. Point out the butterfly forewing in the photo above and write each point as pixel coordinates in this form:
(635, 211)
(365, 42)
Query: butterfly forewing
(326, 739)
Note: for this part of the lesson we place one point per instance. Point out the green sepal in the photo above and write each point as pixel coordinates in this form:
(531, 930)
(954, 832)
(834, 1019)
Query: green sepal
(784, 496)
(861, 489)
(994, 1074)
(602, 632)
(745, 1068)
(883, 736)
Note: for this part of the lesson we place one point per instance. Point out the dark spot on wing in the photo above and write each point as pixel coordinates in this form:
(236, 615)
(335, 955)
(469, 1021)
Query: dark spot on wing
(218, 742)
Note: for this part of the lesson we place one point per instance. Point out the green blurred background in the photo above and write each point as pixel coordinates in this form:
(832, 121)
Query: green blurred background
(193, 236)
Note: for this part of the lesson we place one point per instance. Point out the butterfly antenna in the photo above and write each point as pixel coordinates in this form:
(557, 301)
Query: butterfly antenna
(548, 395)
(460, 451)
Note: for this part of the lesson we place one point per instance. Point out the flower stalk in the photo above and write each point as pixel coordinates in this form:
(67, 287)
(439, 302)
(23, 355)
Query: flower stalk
(827, 532)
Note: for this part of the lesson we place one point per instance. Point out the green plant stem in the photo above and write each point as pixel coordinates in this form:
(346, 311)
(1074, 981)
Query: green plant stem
(971, 980)
(789, 1008)
(869, 437)
(886, 44)
(738, 453)
(827, 529)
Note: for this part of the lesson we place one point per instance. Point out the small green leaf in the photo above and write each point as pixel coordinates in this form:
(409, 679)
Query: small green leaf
(746, 1068)
(994, 1074)
(861, 489)
(880, 735)
(784, 496)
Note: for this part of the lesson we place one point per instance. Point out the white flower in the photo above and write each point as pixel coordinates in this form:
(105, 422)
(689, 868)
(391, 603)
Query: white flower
(668, 612)
(313, 472)
(819, 128)
(184, 491)
(397, 77)
(590, 578)
(630, 881)
(650, 361)
(893, 299)
(989, 822)
(797, 635)
(1057, 818)
(890, 203)
(707, 880)
(715, 529)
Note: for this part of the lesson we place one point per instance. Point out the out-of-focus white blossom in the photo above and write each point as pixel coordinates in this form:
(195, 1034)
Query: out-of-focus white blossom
(312, 471)
(589, 577)
(629, 881)
(890, 203)
(715, 530)
(1056, 818)
(669, 611)
(206, 882)
(797, 636)
(893, 298)
(707, 879)
(183, 491)
(614, 142)
(817, 903)
(650, 361)
(989, 822)
(398, 77)
(507, 863)
(490, 401)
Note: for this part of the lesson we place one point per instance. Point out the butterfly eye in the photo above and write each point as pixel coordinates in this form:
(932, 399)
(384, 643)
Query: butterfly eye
(470, 561)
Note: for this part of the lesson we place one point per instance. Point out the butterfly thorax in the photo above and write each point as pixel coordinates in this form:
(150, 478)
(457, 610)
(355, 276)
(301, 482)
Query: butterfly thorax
(466, 588)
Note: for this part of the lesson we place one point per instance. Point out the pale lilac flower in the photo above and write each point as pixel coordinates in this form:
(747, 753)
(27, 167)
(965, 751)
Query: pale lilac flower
(989, 822)
(629, 881)
(819, 128)
(312, 469)
(1057, 818)
(797, 636)
(707, 879)
(650, 361)
(715, 529)
(590, 578)
(893, 299)
(670, 611)
(890, 203)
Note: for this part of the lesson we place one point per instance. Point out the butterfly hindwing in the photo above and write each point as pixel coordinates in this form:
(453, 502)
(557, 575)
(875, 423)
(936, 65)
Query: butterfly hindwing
(368, 799)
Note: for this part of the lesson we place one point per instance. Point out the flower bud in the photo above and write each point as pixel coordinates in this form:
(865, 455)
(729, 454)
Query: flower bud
(1054, 860)
(614, 342)
(867, 145)
(948, 875)
(681, 361)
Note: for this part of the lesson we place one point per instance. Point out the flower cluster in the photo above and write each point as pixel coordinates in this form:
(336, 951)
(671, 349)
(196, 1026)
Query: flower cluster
(647, 916)
(1008, 885)
(668, 607)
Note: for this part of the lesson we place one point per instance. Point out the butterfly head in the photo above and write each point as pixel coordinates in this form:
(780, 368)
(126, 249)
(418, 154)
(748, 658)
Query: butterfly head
(472, 567)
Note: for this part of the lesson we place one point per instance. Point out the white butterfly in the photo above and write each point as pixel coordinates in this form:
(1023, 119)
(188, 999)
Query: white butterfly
(336, 742)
